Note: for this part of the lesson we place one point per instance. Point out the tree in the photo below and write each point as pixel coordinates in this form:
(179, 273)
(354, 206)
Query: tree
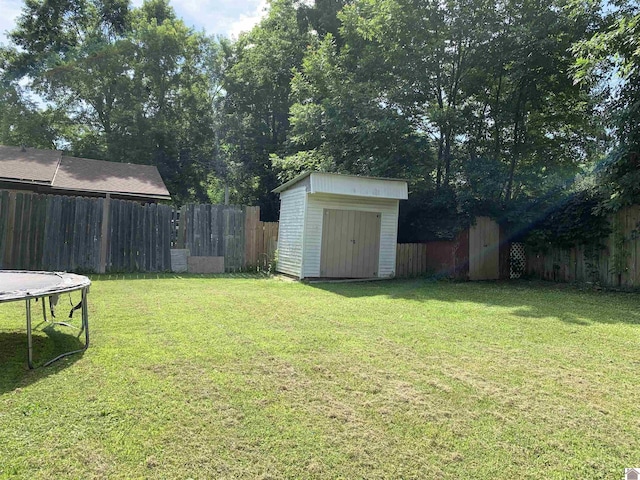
(255, 109)
(471, 97)
(321, 17)
(540, 124)
(484, 79)
(341, 123)
(128, 85)
(610, 60)
(22, 123)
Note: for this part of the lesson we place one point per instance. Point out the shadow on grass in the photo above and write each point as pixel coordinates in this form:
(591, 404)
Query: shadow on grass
(179, 276)
(14, 372)
(526, 299)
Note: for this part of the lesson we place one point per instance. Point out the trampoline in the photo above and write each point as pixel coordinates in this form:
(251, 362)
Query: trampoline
(20, 285)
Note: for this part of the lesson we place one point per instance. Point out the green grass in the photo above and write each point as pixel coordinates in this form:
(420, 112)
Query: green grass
(250, 377)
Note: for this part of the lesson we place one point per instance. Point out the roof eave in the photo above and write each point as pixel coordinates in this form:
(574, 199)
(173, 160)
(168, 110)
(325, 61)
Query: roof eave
(110, 192)
(24, 181)
(304, 175)
(293, 181)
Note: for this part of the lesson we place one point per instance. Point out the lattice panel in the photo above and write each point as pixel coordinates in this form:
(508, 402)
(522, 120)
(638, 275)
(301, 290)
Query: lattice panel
(517, 260)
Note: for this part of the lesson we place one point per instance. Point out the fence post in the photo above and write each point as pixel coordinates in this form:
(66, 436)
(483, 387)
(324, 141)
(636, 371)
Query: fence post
(251, 225)
(104, 234)
(10, 227)
(181, 241)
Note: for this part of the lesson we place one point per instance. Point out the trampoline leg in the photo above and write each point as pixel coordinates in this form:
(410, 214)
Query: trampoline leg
(85, 325)
(85, 318)
(44, 308)
(29, 341)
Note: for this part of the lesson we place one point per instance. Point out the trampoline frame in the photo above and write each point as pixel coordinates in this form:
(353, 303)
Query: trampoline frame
(84, 288)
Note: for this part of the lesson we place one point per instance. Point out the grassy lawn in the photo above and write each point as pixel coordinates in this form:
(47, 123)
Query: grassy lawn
(264, 378)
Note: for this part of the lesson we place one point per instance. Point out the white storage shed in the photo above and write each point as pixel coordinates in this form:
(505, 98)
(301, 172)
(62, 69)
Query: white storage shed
(339, 226)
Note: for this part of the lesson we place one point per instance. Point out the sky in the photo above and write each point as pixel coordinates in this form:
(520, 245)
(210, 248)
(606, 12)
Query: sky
(215, 17)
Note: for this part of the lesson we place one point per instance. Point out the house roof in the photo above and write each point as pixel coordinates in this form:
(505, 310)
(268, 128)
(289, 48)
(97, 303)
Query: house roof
(52, 169)
(28, 165)
(84, 174)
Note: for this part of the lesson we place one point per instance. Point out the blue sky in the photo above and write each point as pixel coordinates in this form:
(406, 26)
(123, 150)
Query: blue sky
(225, 17)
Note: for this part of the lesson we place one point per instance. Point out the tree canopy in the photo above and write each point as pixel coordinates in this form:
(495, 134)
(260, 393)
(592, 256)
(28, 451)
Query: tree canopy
(493, 108)
(610, 60)
(129, 85)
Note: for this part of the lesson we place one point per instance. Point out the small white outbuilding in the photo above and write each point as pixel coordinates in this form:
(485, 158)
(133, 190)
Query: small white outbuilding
(339, 226)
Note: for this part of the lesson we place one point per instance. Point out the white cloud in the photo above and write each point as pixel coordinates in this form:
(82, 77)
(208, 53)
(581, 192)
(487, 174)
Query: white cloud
(215, 17)
(246, 22)
(220, 17)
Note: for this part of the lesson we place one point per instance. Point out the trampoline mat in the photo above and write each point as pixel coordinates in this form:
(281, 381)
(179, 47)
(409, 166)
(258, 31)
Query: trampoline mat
(18, 285)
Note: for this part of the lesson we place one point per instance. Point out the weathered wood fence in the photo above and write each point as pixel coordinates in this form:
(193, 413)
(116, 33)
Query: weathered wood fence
(616, 264)
(137, 237)
(261, 239)
(43, 232)
(445, 258)
(411, 259)
(54, 232)
(233, 232)
(213, 231)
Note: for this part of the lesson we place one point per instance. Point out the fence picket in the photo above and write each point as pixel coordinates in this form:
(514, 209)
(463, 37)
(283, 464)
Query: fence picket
(3, 216)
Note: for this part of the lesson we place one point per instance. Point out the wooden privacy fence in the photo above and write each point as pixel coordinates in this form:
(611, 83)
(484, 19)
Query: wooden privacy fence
(261, 240)
(54, 232)
(138, 237)
(233, 232)
(46, 232)
(411, 259)
(616, 264)
(213, 231)
(445, 258)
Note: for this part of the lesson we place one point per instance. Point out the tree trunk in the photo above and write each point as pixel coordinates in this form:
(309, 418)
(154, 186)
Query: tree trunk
(447, 156)
(497, 142)
(514, 160)
(440, 153)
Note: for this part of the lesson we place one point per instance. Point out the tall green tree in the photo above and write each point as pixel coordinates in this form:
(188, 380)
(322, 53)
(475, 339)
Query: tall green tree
(22, 122)
(485, 79)
(254, 113)
(135, 85)
(477, 96)
(610, 60)
(342, 123)
(321, 17)
(421, 52)
(526, 111)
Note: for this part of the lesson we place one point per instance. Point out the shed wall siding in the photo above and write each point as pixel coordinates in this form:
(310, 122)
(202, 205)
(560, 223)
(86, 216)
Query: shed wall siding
(291, 230)
(316, 203)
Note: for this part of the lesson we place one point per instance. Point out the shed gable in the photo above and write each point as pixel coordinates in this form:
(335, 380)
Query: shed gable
(358, 186)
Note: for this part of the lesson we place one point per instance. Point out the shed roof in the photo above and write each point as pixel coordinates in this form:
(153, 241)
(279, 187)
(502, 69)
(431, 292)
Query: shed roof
(352, 185)
(53, 170)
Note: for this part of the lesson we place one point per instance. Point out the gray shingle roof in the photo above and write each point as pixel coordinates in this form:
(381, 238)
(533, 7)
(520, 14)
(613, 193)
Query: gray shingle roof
(51, 168)
(30, 165)
(83, 174)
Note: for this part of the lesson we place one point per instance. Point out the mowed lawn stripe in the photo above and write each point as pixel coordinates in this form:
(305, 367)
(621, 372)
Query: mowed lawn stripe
(253, 377)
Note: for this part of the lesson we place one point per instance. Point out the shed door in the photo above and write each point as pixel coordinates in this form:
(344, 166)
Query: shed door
(350, 244)
(484, 243)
